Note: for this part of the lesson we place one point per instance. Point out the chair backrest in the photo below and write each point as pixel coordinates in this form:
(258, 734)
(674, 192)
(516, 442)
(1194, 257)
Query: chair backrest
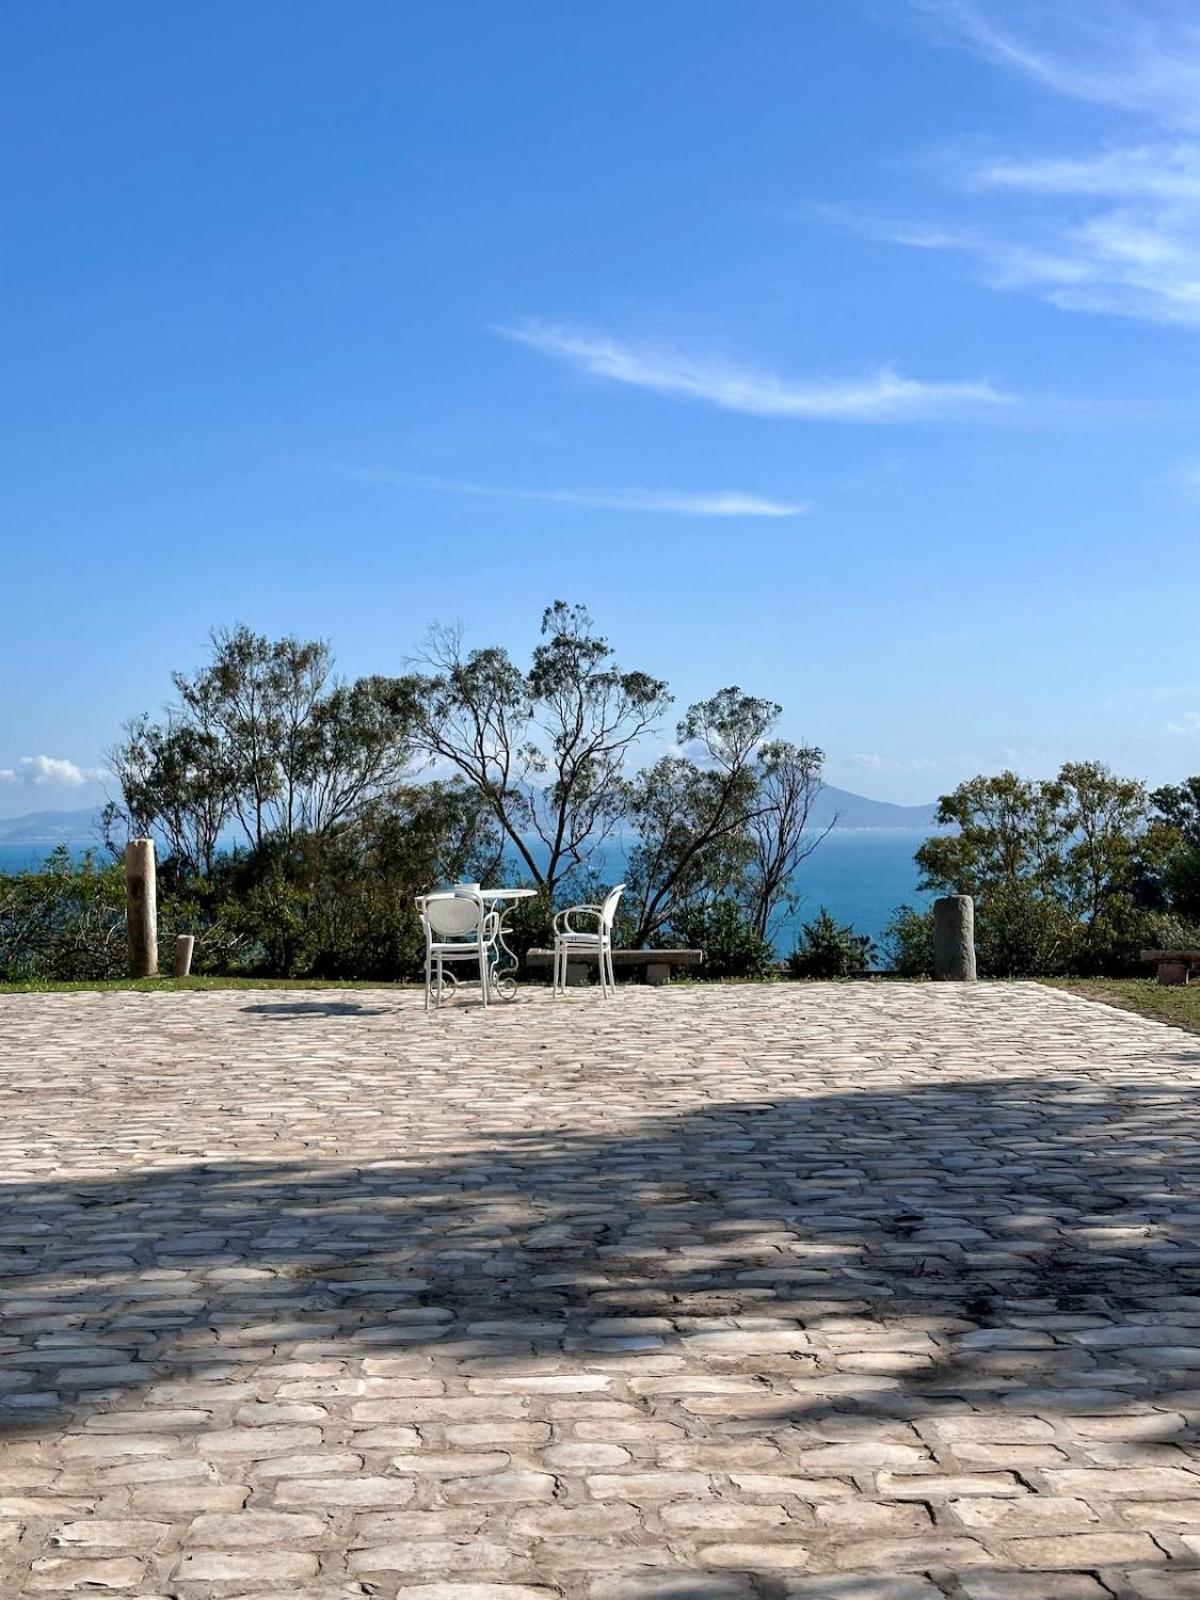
(452, 915)
(608, 910)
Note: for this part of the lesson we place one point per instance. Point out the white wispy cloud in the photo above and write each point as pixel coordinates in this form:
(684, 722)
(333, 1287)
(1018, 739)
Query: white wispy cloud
(1137, 55)
(39, 772)
(1136, 257)
(1151, 694)
(1186, 726)
(882, 396)
(979, 761)
(872, 761)
(1111, 229)
(662, 502)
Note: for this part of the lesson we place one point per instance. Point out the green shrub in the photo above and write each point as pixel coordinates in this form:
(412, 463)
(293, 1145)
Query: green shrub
(66, 921)
(829, 949)
(1020, 933)
(732, 947)
(908, 942)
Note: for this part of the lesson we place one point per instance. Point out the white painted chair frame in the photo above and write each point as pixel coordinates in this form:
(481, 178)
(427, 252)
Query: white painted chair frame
(570, 940)
(458, 927)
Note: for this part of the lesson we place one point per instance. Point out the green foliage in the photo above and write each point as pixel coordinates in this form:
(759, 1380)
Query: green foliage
(66, 921)
(1063, 871)
(908, 942)
(293, 836)
(692, 815)
(1177, 816)
(733, 947)
(829, 949)
(265, 739)
(545, 749)
(342, 904)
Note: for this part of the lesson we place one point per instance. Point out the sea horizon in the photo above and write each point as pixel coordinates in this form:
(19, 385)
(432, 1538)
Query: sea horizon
(860, 875)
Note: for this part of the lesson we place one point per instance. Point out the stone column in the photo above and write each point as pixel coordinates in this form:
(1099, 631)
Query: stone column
(954, 938)
(185, 943)
(141, 908)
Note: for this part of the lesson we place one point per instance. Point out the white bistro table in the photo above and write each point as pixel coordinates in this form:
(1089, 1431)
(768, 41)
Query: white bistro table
(506, 965)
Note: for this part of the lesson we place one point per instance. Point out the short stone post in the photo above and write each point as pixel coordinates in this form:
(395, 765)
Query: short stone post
(141, 908)
(954, 938)
(185, 943)
(1173, 971)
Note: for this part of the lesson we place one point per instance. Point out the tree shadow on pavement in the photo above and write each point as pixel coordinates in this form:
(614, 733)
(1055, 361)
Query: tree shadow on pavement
(833, 1285)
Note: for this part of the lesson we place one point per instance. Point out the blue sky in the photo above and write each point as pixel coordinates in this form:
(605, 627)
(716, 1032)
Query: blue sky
(845, 352)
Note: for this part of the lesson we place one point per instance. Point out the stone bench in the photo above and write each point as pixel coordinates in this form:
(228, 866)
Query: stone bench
(1173, 966)
(658, 964)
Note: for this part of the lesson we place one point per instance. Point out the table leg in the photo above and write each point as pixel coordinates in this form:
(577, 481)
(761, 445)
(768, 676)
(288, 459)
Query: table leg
(505, 964)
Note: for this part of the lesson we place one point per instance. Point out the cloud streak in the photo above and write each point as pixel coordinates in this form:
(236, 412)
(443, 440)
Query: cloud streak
(39, 772)
(882, 396)
(1141, 57)
(1113, 229)
(659, 502)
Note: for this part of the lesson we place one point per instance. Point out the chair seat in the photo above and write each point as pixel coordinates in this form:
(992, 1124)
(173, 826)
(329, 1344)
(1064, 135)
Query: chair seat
(596, 940)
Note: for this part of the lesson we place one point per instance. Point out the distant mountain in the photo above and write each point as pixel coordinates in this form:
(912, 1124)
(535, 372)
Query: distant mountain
(851, 810)
(52, 827)
(856, 811)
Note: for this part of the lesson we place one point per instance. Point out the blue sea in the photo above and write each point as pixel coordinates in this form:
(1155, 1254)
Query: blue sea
(860, 874)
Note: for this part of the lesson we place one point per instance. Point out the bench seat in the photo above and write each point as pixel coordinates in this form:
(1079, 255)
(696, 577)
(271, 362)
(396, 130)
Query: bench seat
(1172, 966)
(658, 964)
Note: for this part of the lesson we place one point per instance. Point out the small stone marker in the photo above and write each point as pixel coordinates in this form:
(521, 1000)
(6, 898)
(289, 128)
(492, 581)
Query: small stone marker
(185, 943)
(954, 938)
(141, 908)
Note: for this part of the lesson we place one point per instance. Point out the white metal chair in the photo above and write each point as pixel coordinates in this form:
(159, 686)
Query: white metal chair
(572, 941)
(458, 927)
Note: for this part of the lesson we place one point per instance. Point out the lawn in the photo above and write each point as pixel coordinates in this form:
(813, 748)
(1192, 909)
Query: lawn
(159, 985)
(1179, 1006)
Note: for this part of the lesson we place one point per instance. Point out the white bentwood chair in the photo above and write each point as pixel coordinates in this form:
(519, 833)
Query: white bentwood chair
(572, 941)
(458, 927)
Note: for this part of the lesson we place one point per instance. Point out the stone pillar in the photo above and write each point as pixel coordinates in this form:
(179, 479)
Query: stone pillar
(954, 938)
(185, 943)
(141, 908)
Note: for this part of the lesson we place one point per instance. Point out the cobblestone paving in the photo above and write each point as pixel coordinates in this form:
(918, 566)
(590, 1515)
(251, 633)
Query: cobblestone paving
(844, 1292)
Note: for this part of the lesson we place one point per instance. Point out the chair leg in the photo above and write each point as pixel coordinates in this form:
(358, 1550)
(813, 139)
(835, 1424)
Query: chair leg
(557, 962)
(601, 970)
(428, 978)
(484, 974)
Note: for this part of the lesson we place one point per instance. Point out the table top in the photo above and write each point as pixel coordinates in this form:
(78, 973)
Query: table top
(501, 894)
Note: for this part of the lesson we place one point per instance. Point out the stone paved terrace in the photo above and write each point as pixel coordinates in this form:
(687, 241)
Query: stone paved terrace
(851, 1292)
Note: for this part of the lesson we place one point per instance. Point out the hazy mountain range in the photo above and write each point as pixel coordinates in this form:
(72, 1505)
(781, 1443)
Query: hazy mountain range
(851, 811)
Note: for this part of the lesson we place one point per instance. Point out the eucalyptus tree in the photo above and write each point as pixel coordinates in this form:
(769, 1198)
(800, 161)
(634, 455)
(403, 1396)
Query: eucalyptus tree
(176, 783)
(1064, 869)
(263, 738)
(780, 831)
(692, 812)
(545, 746)
(1177, 823)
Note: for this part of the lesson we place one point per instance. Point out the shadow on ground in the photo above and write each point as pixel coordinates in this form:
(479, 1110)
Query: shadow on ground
(1013, 1245)
(313, 1008)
